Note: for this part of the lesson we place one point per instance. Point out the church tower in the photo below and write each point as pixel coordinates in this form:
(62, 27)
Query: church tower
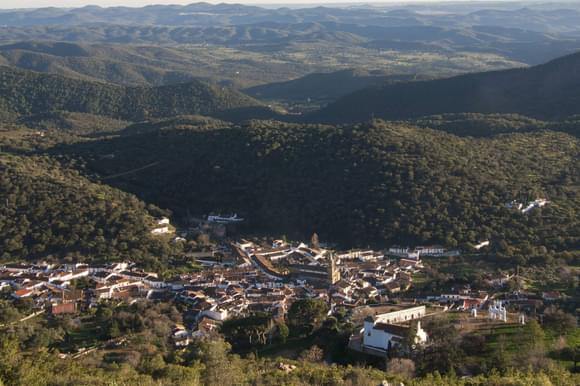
(333, 271)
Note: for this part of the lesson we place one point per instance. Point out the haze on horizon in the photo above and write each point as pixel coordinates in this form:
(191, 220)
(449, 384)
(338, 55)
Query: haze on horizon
(14, 4)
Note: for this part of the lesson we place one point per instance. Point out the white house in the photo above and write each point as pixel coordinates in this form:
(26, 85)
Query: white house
(163, 221)
(215, 313)
(160, 231)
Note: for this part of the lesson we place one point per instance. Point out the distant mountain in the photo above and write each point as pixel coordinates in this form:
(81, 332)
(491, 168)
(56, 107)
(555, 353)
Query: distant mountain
(126, 65)
(548, 91)
(144, 65)
(517, 44)
(553, 18)
(25, 93)
(323, 86)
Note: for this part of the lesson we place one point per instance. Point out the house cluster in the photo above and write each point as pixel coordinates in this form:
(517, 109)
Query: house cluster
(365, 281)
(461, 299)
(46, 285)
(353, 277)
(52, 286)
(210, 296)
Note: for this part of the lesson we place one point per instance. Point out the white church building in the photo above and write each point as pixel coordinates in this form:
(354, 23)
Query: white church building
(385, 331)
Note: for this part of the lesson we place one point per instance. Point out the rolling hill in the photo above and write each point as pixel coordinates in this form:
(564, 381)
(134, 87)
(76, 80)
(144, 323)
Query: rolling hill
(25, 93)
(323, 86)
(547, 91)
(376, 183)
(125, 65)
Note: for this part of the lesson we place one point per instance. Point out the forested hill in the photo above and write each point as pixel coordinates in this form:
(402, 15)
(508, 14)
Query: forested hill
(25, 92)
(548, 91)
(377, 183)
(323, 86)
(48, 210)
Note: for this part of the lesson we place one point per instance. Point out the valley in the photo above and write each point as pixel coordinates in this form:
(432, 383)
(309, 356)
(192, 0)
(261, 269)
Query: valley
(242, 195)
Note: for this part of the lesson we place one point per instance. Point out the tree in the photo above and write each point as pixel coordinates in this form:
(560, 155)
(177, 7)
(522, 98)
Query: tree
(104, 314)
(114, 331)
(220, 367)
(532, 346)
(444, 354)
(313, 354)
(500, 358)
(559, 321)
(306, 315)
(409, 343)
(571, 354)
(283, 332)
(250, 331)
(532, 336)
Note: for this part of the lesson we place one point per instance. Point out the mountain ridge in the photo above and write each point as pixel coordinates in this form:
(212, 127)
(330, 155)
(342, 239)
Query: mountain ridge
(27, 92)
(546, 91)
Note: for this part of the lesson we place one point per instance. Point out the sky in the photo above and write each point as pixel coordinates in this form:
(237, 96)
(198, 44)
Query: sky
(136, 3)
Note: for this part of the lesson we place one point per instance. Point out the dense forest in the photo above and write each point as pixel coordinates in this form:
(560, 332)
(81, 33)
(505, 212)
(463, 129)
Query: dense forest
(49, 211)
(374, 183)
(27, 92)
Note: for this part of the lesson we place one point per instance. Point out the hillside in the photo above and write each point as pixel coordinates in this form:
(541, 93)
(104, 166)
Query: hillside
(25, 92)
(548, 91)
(125, 65)
(52, 211)
(322, 86)
(366, 184)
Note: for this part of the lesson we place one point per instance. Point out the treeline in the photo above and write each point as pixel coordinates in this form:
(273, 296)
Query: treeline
(375, 183)
(25, 93)
(48, 210)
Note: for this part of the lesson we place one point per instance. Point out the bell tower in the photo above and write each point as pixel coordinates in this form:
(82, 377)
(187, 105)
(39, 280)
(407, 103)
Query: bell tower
(333, 271)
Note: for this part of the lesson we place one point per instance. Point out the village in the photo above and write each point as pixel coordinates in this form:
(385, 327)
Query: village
(240, 277)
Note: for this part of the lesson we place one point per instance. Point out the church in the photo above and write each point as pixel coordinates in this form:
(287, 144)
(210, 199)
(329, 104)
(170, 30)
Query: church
(390, 330)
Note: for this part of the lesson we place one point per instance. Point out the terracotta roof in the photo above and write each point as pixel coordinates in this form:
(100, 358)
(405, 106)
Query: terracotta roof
(22, 293)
